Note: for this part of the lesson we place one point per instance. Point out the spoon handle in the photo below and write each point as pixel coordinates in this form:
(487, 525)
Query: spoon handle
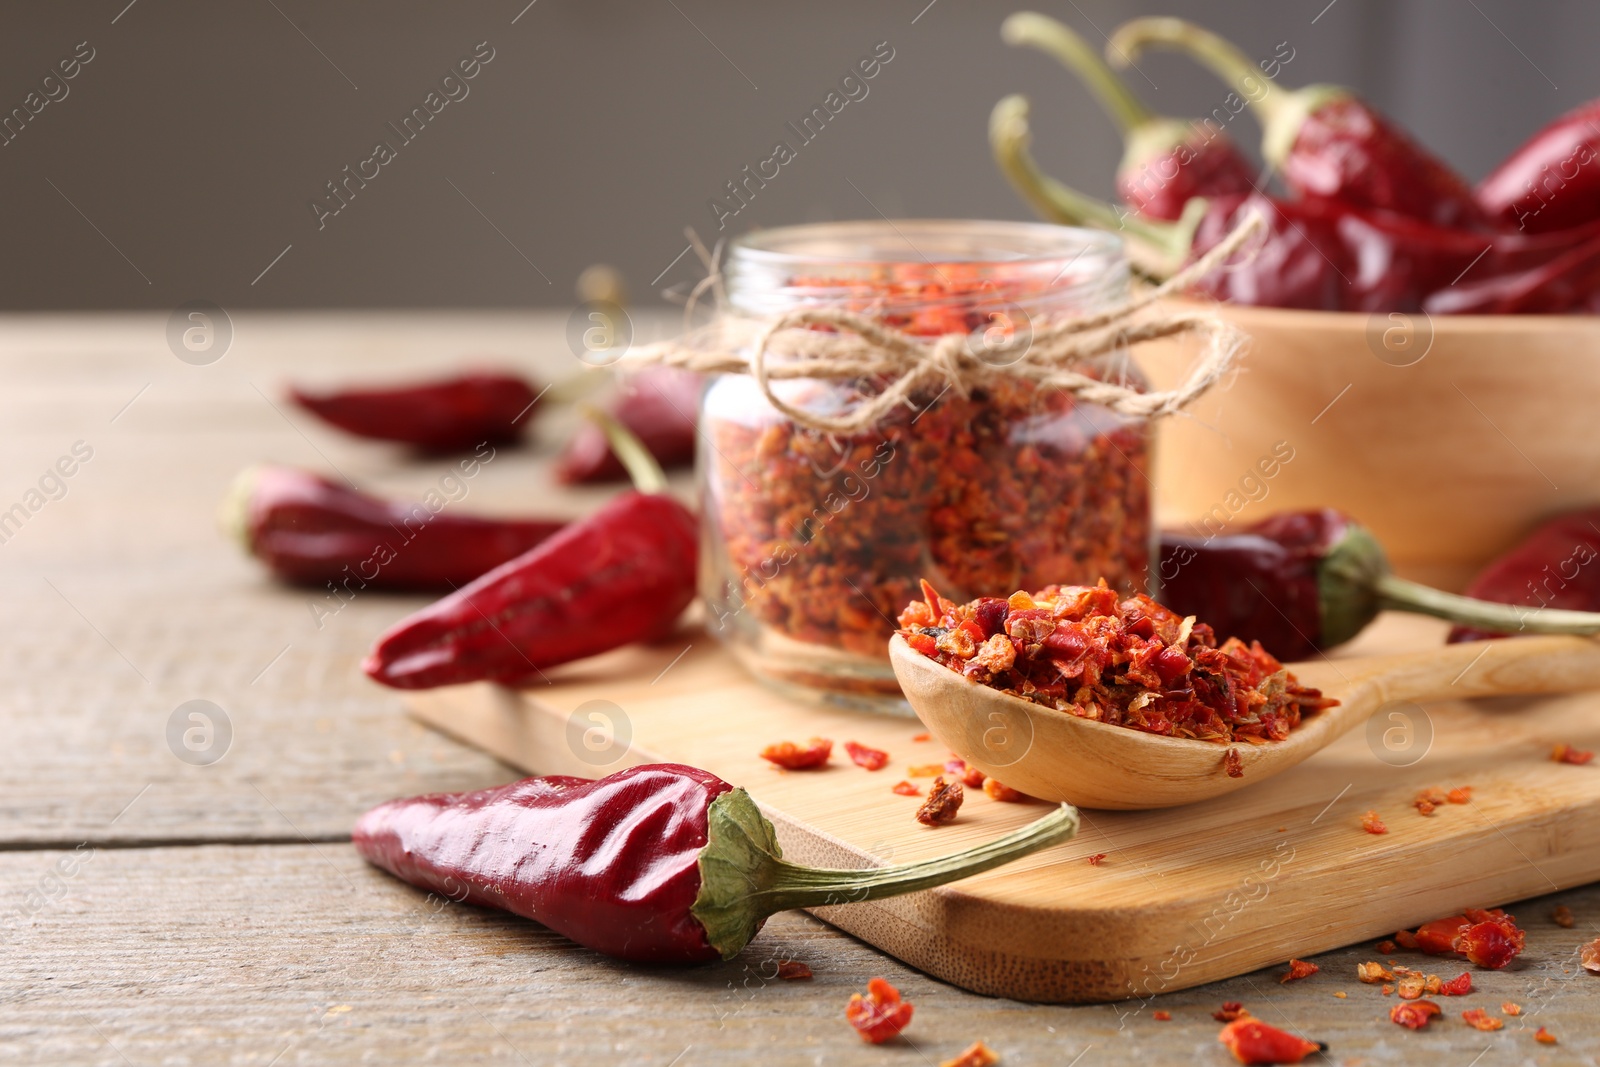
(1546, 664)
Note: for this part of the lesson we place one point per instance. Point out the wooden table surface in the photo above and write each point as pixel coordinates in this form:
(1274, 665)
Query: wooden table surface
(157, 911)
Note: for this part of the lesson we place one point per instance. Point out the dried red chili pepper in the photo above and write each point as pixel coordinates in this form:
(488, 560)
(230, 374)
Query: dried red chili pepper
(310, 530)
(792, 757)
(1165, 161)
(1547, 183)
(623, 574)
(1568, 281)
(879, 1015)
(1547, 569)
(660, 863)
(1303, 581)
(1414, 1014)
(1254, 1042)
(1299, 969)
(873, 759)
(944, 801)
(1323, 139)
(447, 415)
(1479, 1019)
(976, 1054)
(659, 406)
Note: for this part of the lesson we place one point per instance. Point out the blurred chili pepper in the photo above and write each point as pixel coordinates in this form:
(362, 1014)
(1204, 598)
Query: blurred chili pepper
(1569, 282)
(1548, 569)
(1304, 581)
(1322, 138)
(1165, 161)
(660, 863)
(448, 415)
(1254, 1042)
(1549, 183)
(659, 406)
(623, 574)
(310, 530)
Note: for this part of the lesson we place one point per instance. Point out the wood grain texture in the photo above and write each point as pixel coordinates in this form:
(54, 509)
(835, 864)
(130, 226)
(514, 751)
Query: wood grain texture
(1188, 895)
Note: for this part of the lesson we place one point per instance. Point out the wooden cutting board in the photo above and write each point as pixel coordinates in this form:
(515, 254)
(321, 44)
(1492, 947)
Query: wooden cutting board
(1184, 896)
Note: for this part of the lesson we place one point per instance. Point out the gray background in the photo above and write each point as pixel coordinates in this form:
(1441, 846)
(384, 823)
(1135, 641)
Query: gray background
(199, 134)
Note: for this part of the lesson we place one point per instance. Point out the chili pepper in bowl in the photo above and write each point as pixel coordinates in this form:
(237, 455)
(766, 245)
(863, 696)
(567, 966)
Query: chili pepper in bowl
(623, 574)
(659, 406)
(452, 414)
(1300, 582)
(661, 863)
(1550, 182)
(310, 530)
(1323, 139)
(1165, 161)
(1550, 568)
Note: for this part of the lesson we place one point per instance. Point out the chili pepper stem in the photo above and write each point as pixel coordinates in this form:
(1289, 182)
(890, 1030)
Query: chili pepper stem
(233, 513)
(1399, 594)
(1009, 139)
(744, 877)
(1049, 36)
(642, 468)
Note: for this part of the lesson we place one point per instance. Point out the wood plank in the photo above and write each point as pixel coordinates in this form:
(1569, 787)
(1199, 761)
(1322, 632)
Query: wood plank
(296, 954)
(1187, 884)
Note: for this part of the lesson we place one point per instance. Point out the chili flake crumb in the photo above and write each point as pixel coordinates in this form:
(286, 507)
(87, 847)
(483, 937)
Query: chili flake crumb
(1589, 956)
(996, 790)
(1565, 753)
(1405, 939)
(1411, 986)
(1372, 824)
(1161, 1016)
(1562, 917)
(1254, 1042)
(1457, 987)
(1430, 799)
(1492, 941)
(1341, 995)
(873, 759)
(906, 789)
(1097, 859)
(793, 970)
(976, 1054)
(921, 737)
(1460, 795)
(1299, 969)
(792, 757)
(1387, 990)
(1544, 1037)
(1124, 661)
(1373, 973)
(1414, 1014)
(970, 777)
(1479, 1019)
(879, 1015)
(925, 770)
(1232, 763)
(1230, 1010)
(1385, 947)
(944, 800)
(1510, 1008)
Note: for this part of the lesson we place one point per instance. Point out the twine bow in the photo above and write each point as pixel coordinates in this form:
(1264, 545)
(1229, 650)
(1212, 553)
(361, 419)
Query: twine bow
(862, 347)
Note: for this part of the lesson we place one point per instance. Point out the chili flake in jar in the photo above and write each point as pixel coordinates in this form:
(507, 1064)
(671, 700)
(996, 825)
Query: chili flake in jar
(814, 541)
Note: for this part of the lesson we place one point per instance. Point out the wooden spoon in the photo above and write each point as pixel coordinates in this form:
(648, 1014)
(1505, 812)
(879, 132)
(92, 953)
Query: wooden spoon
(1056, 756)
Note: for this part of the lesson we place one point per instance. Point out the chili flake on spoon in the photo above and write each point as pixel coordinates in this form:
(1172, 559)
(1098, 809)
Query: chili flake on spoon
(1088, 651)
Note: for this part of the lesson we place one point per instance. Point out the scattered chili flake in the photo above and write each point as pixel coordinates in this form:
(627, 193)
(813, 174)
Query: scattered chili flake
(1372, 824)
(1459, 795)
(1511, 1008)
(1589, 956)
(879, 1015)
(1373, 973)
(1479, 1019)
(1565, 753)
(873, 759)
(1090, 652)
(1492, 943)
(1405, 939)
(1387, 990)
(1414, 1014)
(1544, 1037)
(1429, 799)
(1411, 986)
(1232, 763)
(996, 790)
(970, 777)
(1562, 917)
(1230, 1010)
(1299, 969)
(976, 1054)
(1097, 859)
(1254, 1042)
(791, 756)
(1385, 947)
(1457, 987)
(944, 800)
(906, 789)
(793, 970)
(925, 770)
(922, 737)
(1161, 1016)
(1341, 994)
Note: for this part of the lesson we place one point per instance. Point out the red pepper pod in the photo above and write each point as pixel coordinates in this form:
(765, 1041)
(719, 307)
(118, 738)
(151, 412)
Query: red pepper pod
(1550, 182)
(448, 415)
(1548, 569)
(660, 863)
(659, 406)
(309, 530)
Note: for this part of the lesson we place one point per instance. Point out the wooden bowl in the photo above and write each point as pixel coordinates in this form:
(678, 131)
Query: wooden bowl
(1449, 437)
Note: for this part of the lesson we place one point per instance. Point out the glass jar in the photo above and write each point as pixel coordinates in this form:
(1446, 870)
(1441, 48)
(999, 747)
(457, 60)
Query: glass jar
(813, 542)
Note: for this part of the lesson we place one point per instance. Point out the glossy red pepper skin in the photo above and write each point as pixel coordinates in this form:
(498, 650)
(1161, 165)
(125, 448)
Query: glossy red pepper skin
(1552, 182)
(1254, 1042)
(449, 415)
(1554, 566)
(612, 864)
(1159, 186)
(1569, 282)
(660, 406)
(310, 530)
(623, 574)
